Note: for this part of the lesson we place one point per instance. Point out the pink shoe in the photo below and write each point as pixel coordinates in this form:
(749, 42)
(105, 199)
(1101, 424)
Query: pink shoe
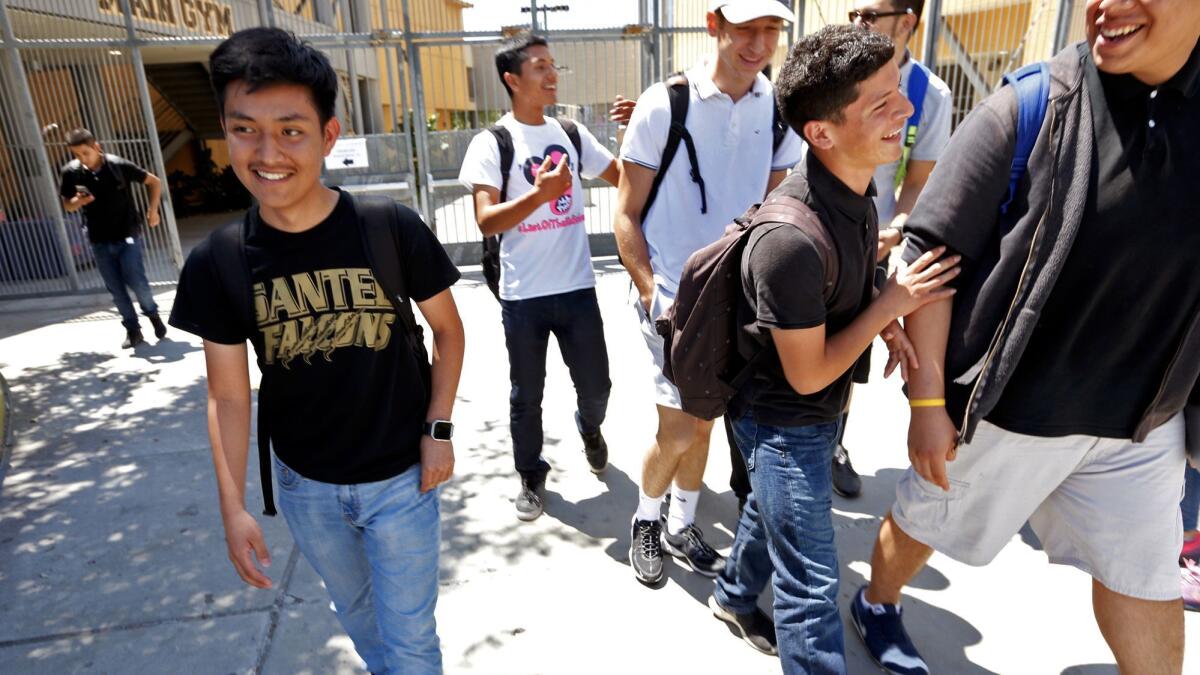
(1190, 585)
(1191, 550)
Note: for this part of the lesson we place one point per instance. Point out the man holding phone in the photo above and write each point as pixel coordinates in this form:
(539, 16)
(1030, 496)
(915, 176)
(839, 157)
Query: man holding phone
(99, 184)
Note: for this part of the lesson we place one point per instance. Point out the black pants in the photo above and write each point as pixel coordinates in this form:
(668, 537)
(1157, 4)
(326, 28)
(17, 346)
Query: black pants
(574, 319)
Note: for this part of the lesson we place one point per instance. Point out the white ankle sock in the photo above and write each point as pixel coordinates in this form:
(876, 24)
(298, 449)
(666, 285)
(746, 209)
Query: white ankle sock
(649, 508)
(683, 509)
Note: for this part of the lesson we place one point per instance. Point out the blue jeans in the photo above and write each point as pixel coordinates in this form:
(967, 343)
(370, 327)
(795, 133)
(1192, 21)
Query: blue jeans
(574, 319)
(1191, 498)
(120, 265)
(787, 528)
(375, 545)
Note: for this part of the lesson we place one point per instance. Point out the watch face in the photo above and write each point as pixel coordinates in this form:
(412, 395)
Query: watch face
(441, 430)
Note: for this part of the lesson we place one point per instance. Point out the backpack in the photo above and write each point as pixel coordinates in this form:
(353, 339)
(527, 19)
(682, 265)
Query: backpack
(491, 245)
(1032, 84)
(378, 221)
(918, 84)
(678, 95)
(700, 330)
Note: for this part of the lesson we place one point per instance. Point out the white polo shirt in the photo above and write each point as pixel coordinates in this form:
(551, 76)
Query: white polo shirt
(933, 133)
(734, 151)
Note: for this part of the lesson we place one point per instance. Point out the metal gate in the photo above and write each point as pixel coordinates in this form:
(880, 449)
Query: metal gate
(416, 87)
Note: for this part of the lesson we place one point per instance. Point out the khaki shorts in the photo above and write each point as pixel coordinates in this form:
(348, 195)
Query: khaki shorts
(665, 393)
(1109, 507)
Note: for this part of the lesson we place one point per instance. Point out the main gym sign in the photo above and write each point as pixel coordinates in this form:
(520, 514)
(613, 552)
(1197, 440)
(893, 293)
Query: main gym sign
(204, 16)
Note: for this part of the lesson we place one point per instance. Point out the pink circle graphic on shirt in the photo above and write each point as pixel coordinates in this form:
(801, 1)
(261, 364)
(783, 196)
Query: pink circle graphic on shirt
(562, 205)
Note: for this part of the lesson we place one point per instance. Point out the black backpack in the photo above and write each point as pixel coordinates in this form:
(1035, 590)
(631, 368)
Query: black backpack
(491, 245)
(677, 94)
(378, 224)
(700, 329)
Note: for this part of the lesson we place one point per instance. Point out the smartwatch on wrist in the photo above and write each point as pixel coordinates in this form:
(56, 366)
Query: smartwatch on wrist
(439, 430)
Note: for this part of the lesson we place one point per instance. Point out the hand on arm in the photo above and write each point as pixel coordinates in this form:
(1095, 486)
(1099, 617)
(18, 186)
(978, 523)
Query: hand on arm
(621, 112)
(812, 362)
(496, 218)
(449, 344)
(632, 192)
(154, 190)
(229, 434)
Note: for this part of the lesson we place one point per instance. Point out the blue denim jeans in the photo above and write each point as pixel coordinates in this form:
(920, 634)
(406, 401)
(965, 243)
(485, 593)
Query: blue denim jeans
(1190, 505)
(787, 528)
(375, 545)
(120, 265)
(574, 320)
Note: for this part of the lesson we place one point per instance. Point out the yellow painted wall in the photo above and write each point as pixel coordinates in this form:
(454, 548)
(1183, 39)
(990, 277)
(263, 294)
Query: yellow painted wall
(443, 68)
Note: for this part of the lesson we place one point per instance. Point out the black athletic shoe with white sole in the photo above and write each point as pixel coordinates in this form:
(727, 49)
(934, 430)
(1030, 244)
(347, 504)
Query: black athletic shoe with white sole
(645, 551)
(755, 628)
(689, 546)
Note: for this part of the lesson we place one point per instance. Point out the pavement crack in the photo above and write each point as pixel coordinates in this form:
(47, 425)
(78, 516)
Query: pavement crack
(137, 625)
(277, 609)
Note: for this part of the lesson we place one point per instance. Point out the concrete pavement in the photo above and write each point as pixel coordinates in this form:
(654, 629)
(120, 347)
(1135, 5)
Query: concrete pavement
(112, 557)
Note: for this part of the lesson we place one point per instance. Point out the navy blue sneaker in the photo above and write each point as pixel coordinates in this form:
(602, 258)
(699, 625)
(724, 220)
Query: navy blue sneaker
(884, 635)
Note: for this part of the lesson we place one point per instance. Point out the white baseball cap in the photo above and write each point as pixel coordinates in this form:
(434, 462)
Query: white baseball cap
(741, 11)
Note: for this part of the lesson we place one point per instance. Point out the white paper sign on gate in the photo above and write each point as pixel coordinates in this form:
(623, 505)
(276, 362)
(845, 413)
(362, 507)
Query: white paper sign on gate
(348, 153)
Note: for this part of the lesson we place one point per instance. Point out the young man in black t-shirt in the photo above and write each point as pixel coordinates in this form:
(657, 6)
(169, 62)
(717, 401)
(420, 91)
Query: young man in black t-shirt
(100, 184)
(361, 439)
(839, 90)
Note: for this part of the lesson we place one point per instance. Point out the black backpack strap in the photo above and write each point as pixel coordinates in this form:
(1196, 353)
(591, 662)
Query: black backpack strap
(379, 225)
(504, 142)
(233, 273)
(572, 131)
(678, 95)
(490, 260)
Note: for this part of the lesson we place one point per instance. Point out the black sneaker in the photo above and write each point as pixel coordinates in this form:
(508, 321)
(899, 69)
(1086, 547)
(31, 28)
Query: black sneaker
(160, 328)
(133, 338)
(529, 501)
(845, 479)
(596, 450)
(645, 552)
(885, 638)
(756, 628)
(689, 546)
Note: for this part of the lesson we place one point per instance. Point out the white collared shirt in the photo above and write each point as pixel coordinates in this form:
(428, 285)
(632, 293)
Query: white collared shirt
(734, 151)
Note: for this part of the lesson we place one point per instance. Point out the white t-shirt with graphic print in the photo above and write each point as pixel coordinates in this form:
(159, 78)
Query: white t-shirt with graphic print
(547, 253)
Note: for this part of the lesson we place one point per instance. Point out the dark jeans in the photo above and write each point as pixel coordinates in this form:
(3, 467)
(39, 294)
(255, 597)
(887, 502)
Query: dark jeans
(787, 528)
(120, 265)
(574, 320)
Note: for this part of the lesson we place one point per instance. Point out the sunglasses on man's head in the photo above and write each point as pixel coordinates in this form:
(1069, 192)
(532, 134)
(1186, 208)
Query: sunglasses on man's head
(868, 16)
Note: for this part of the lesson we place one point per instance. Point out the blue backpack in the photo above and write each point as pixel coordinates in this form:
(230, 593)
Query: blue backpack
(1033, 98)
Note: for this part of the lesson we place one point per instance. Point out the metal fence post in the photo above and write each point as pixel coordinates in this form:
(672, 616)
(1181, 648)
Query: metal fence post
(356, 109)
(266, 13)
(28, 114)
(420, 133)
(1062, 29)
(933, 26)
(160, 165)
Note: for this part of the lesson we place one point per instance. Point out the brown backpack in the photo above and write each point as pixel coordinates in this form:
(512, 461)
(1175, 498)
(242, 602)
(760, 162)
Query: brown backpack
(700, 329)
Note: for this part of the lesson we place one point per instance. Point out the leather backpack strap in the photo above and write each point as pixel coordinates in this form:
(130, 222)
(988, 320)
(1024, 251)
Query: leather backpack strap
(783, 209)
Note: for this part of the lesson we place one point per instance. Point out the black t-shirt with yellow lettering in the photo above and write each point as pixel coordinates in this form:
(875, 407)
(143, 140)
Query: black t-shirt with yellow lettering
(346, 402)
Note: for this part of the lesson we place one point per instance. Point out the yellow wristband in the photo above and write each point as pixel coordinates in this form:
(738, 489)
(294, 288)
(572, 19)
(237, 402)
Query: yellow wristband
(927, 403)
